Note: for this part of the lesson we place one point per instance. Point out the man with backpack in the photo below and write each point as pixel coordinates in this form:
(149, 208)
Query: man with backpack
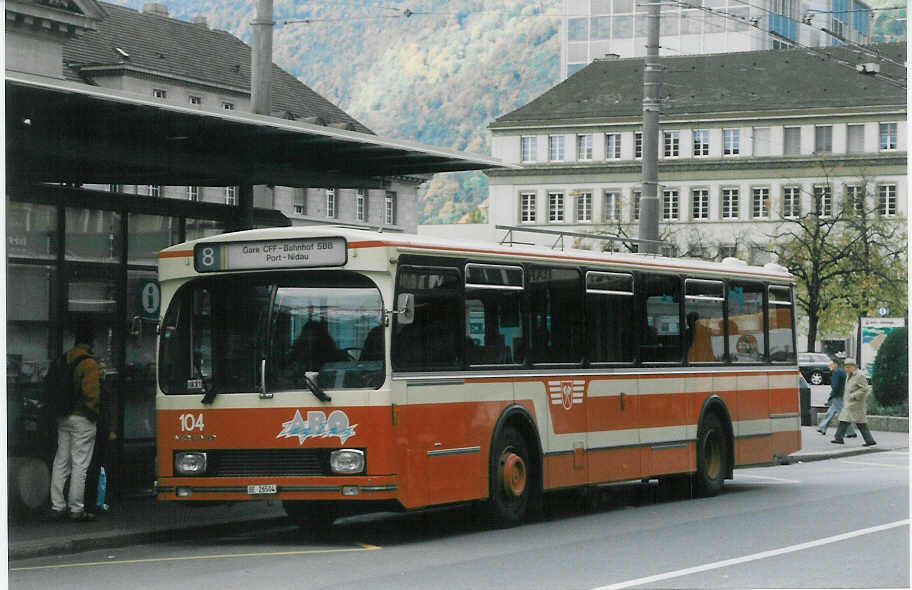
(75, 403)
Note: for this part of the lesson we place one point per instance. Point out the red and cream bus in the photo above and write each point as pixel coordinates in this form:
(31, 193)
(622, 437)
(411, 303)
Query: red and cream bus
(339, 370)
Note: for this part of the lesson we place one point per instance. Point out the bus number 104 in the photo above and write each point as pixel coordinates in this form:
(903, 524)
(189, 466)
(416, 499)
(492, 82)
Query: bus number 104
(190, 422)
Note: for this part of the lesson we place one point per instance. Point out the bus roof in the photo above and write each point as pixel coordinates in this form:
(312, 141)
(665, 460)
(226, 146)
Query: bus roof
(429, 245)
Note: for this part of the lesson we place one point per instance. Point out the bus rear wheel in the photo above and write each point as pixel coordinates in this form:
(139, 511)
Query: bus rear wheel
(511, 481)
(712, 457)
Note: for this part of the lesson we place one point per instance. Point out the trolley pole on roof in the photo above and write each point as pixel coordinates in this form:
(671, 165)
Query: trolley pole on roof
(649, 201)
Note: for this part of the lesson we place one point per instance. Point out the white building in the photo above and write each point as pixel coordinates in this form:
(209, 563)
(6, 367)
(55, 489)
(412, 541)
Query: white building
(746, 143)
(591, 29)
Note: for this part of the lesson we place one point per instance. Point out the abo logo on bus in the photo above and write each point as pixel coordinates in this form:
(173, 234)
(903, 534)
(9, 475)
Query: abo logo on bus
(566, 393)
(318, 425)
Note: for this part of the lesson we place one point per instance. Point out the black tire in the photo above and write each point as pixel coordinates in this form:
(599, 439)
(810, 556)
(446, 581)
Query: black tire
(816, 378)
(316, 517)
(712, 457)
(512, 479)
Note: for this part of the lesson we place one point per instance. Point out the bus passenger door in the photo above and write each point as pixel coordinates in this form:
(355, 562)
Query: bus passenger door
(614, 436)
(444, 443)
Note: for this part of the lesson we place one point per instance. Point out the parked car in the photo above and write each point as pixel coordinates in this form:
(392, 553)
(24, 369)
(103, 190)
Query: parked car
(815, 366)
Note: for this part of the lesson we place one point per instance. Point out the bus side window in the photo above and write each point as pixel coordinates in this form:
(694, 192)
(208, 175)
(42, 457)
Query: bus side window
(494, 318)
(433, 340)
(661, 340)
(557, 315)
(611, 317)
(746, 343)
(780, 328)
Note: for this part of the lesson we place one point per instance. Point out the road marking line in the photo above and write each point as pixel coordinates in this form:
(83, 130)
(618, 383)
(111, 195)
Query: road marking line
(872, 464)
(783, 480)
(361, 547)
(746, 558)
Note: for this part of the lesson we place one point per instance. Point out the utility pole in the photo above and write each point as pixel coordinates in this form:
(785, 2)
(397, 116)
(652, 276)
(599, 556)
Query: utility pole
(649, 200)
(260, 91)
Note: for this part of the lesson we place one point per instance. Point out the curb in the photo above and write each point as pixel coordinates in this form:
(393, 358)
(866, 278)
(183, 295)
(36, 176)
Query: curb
(28, 550)
(834, 454)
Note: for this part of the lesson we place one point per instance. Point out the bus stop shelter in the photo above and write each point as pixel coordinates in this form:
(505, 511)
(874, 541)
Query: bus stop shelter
(75, 254)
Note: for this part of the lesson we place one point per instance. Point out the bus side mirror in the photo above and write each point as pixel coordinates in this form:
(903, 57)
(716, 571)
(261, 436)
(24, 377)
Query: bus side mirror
(405, 309)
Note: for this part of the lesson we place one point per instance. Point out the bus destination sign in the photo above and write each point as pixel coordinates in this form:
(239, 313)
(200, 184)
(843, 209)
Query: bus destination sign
(270, 254)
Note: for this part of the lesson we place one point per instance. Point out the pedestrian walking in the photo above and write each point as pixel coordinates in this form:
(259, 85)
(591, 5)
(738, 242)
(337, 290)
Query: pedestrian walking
(76, 428)
(853, 411)
(837, 388)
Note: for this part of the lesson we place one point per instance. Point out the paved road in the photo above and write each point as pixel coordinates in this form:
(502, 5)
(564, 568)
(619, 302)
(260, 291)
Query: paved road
(837, 523)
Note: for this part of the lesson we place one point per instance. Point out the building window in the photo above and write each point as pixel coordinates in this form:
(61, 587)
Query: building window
(855, 139)
(154, 190)
(159, 93)
(728, 252)
(700, 142)
(584, 147)
(228, 106)
(193, 193)
(731, 142)
(823, 200)
(670, 204)
(529, 144)
(612, 146)
(760, 206)
(300, 201)
(584, 207)
(697, 251)
(527, 207)
(729, 203)
(791, 141)
(672, 141)
(637, 195)
(196, 100)
(612, 206)
(855, 197)
(699, 203)
(556, 207)
(823, 139)
(390, 208)
(886, 200)
(556, 148)
(231, 195)
(761, 141)
(791, 202)
(331, 203)
(638, 144)
(361, 204)
(887, 136)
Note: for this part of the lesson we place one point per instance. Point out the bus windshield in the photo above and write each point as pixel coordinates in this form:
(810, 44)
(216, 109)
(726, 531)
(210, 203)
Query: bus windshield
(218, 331)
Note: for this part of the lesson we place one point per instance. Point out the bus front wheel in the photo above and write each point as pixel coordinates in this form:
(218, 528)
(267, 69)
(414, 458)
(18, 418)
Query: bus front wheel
(511, 481)
(712, 457)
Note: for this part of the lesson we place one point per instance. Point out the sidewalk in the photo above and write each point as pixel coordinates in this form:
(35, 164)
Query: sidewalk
(133, 521)
(816, 447)
(145, 520)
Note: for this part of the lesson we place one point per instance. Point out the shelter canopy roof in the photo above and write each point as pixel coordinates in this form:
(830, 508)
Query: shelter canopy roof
(59, 131)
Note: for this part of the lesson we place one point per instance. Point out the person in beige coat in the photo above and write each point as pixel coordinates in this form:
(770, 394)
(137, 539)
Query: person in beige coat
(853, 409)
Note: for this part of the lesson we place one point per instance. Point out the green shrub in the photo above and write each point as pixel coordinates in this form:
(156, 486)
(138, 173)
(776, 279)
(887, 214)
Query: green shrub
(890, 376)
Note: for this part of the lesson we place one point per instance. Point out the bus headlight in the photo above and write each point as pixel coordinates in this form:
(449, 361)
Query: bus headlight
(189, 463)
(346, 461)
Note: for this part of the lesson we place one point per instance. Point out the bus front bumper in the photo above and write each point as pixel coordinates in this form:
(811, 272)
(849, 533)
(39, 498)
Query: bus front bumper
(352, 488)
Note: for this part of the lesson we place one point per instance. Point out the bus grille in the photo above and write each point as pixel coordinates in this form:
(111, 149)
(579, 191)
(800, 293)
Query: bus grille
(274, 462)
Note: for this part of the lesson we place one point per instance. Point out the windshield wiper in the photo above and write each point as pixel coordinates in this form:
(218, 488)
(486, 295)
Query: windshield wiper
(310, 380)
(208, 391)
